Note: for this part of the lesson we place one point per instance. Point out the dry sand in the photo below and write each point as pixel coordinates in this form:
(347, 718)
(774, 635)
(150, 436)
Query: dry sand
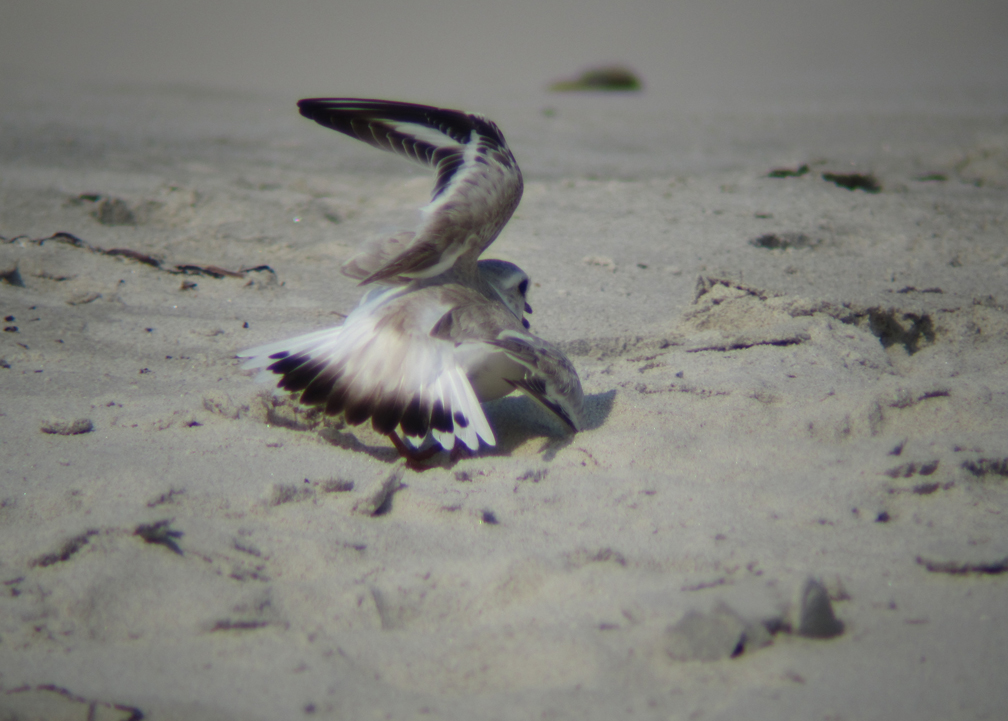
(829, 401)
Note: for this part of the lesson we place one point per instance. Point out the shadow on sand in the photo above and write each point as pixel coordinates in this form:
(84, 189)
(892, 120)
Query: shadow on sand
(515, 419)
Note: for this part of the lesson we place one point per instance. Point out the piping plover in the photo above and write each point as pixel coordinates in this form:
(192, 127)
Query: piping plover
(439, 332)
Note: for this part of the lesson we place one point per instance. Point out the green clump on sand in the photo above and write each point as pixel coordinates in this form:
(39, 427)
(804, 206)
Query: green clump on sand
(610, 78)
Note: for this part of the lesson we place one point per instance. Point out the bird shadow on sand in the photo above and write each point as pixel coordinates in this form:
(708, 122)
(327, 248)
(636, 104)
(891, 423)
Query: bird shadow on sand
(516, 420)
(347, 438)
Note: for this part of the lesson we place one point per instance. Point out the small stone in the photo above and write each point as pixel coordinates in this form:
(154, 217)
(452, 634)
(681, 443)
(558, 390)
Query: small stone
(12, 276)
(815, 612)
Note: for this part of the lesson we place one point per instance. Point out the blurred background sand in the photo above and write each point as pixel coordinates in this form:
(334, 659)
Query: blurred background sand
(761, 413)
(446, 50)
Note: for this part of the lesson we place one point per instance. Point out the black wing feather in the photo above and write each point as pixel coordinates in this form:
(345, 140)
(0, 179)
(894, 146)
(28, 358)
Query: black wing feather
(371, 122)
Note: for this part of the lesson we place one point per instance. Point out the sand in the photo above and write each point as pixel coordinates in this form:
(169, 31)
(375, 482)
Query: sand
(786, 379)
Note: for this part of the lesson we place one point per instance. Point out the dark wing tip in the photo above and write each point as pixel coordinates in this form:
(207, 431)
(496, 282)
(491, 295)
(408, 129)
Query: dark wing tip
(441, 418)
(311, 108)
(415, 418)
(336, 113)
(364, 104)
(386, 417)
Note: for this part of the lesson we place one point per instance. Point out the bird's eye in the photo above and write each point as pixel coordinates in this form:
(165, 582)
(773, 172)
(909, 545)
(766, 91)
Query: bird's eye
(523, 287)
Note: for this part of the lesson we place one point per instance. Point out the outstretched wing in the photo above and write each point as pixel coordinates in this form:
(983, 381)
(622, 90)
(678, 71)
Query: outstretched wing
(383, 365)
(477, 181)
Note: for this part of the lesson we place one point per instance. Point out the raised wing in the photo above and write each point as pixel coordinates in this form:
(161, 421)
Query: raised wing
(477, 182)
(375, 254)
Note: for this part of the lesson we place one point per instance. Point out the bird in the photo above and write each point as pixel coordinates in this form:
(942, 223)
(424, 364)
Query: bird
(438, 330)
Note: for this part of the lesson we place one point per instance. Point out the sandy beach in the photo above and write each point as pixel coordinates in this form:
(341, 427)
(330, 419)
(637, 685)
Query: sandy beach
(790, 321)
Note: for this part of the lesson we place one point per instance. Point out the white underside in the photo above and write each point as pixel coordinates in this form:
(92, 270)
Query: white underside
(395, 364)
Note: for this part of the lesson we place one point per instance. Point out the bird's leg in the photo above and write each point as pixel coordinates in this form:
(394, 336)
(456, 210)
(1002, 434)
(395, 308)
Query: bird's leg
(411, 454)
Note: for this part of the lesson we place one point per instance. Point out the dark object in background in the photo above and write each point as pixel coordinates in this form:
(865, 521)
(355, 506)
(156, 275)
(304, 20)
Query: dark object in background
(161, 533)
(61, 427)
(783, 241)
(789, 172)
(613, 77)
(815, 617)
(854, 181)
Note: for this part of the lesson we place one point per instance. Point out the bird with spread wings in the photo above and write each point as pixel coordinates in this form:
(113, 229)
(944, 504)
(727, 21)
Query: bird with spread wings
(438, 331)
